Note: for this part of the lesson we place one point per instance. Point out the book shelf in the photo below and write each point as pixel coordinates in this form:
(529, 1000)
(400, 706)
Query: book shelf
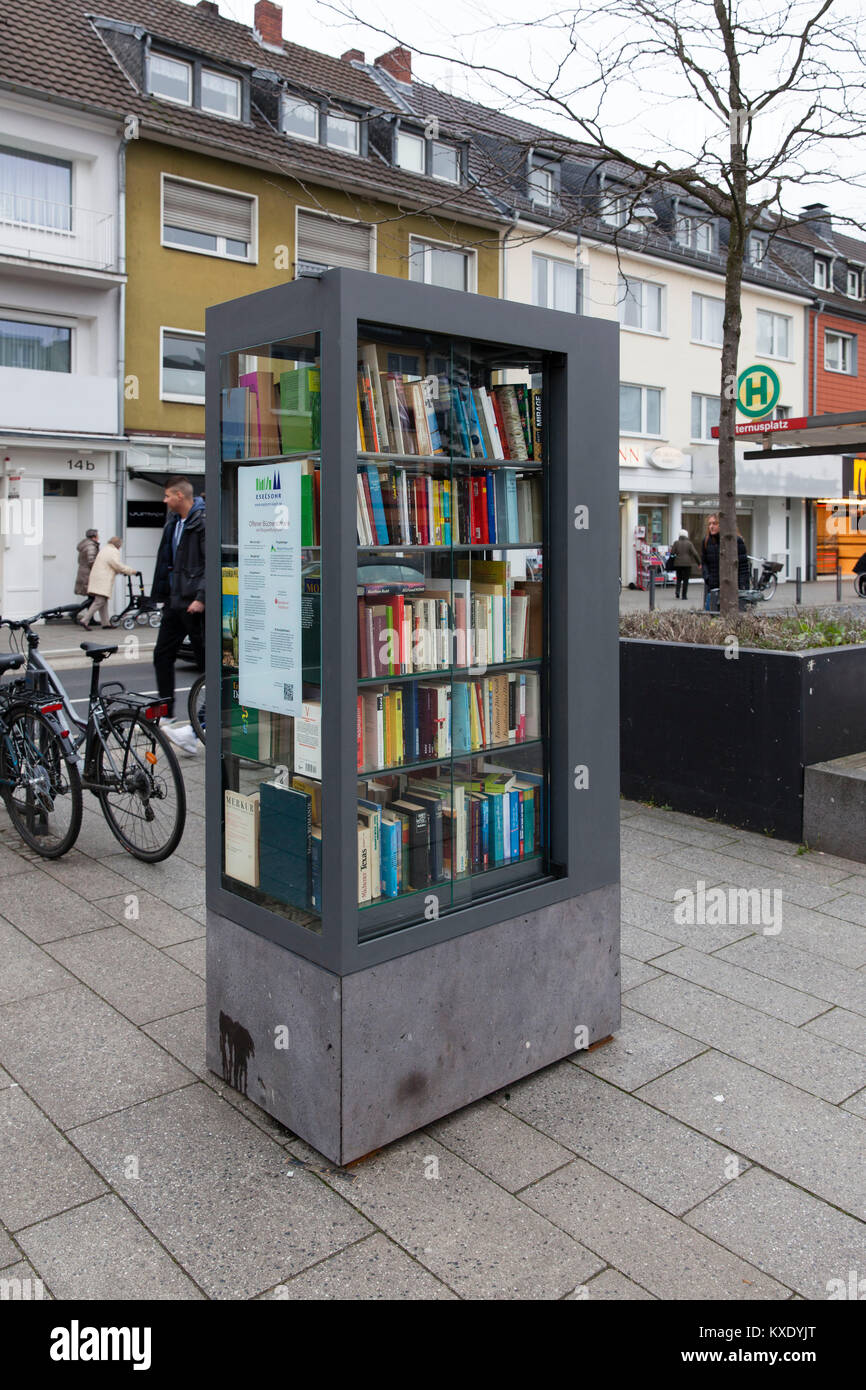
(414, 639)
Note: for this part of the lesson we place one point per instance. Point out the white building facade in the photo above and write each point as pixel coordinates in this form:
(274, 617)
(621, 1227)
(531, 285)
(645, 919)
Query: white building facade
(61, 344)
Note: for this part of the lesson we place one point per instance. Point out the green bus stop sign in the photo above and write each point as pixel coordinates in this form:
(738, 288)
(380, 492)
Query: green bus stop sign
(758, 390)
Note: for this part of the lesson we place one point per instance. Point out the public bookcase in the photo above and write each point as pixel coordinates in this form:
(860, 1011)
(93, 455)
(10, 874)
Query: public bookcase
(412, 756)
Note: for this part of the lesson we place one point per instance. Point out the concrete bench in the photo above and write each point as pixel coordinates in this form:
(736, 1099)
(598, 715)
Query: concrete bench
(834, 807)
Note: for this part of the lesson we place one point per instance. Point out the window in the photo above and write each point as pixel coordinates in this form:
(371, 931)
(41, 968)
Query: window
(705, 414)
(782, 412)
(170, 79)
(554, 284)
(695, 233)
(40, 347)
(35, 190)
(329, 241)
(344, 133)
(541, 186)
(640, 410)
(640, 304)
(445, 162)
(411, 151)
(707, 320)
(439, 265)
(210, 220)
(300, 119)
(840, 352)
(822, 273)
(852, 283)
(756, 249)
(220, 94)
(774, 334)
(182, 360)
(615, 211)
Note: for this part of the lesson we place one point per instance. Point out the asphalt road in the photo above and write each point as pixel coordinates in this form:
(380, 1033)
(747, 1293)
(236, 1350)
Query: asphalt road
(135, 675)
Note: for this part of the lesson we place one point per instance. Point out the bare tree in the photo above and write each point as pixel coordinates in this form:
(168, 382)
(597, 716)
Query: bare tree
(767, 95)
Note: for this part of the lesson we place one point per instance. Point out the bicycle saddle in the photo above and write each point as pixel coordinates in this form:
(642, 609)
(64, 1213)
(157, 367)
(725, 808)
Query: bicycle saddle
(11, 663)
(98, 651)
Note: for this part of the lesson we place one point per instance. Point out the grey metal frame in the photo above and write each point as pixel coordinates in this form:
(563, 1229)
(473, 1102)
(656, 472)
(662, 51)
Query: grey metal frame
(581, 409)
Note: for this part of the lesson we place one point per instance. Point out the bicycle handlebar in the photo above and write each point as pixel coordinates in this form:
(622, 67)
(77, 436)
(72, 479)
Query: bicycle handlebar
(62, 610)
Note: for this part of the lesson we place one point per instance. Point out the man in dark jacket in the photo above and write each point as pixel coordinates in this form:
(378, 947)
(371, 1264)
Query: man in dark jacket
(178, 584)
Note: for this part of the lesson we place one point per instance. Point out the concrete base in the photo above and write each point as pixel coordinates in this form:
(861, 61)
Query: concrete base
(834, 807)
(351, 1064)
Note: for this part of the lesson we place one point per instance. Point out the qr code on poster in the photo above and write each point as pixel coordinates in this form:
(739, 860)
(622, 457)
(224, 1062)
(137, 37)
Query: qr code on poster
(288, 691)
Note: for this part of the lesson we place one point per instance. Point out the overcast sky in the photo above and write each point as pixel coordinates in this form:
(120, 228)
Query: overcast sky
(645, 115)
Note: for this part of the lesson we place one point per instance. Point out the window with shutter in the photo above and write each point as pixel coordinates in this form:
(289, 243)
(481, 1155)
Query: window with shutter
(326, 241)
(212, 221)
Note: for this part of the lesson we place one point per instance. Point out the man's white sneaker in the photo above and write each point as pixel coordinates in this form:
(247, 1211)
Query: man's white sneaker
(183, 736)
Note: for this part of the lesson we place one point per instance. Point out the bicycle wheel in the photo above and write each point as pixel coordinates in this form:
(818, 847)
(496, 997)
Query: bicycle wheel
(41, 785)
(196, 707)
(770, 586)
(860, 585)
(140, 786)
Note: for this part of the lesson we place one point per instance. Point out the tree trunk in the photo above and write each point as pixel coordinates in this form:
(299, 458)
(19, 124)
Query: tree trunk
(728, 566)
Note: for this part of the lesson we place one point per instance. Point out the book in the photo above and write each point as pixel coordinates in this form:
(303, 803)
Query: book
(241, 836)
(229, 616)
(300, 409)
(308, 740)
(233, 407)
(284, 849)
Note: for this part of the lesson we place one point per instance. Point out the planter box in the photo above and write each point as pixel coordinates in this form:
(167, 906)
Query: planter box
(731, 738)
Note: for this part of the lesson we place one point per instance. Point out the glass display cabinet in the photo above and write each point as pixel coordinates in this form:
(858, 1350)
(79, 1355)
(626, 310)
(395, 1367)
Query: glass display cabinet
(412, 759)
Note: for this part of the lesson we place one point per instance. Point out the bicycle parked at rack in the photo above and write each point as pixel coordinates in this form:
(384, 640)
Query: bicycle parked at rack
(119, 752)
(195, 706)
(39, 779)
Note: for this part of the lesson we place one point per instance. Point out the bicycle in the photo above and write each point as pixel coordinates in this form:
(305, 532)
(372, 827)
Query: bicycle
(196, 707)
(117, 748)
(39, 780)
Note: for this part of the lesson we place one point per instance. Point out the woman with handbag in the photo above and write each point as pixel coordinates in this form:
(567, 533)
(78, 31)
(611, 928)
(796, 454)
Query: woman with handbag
(683, 555)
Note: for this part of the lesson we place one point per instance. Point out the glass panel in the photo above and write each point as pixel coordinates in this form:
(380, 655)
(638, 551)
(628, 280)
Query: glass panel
(564, 287)
(271, 628)
(451, 626)
(446, 162)
(182, 365)
(765, 332)
(182, 236)
(782, 327)
(448, 268)
(410, 151)
(170, 78)
(343, 133)
(36, 190)
(697, 418)
(539, 281)
(540, 185)
(38, 346)
(653, 412)
(220, 94)
(713, 406)
(653, 307)
(629, 410)
(300, 119)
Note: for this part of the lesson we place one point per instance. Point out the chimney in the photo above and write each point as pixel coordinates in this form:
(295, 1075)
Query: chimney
(209, 8)
(818, 215)
(397, 62)
(269, 23)
(352, 55)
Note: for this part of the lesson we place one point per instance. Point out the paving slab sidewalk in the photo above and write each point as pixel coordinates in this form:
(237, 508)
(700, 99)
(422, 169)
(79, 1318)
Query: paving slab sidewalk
(712, 1151)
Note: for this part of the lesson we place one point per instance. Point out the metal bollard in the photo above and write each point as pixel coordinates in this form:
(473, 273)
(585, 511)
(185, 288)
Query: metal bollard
(799, 598)
(652, 592)
(838, 582)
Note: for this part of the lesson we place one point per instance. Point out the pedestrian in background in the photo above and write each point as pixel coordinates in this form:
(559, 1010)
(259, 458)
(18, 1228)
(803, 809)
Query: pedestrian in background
(88, 549)
(100, 586)
(179, 585)
(685, 556)
(710, 561)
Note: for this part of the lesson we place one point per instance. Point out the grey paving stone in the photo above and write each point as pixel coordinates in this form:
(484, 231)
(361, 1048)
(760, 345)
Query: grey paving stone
(178, 883)
(745, 875)
(668, 822)
(9, 1252)
(787, 1233)
(183, 1035)
(44, 909)
(100, 1250)
(25, 969)
(818, 1146)
(29, 1285)
(814, 1064)
(371, 1270)
(40, 1172)
(478, 1239)
(11, 861)
(631, 1141)
(213, 1190)
(638, 841)
(767, 956)
(823, 935)
(5, 1079)
(648, 1245)
(192, 845)
(198, 914)
(133, 976)
(634, 972)
(643, 945)
(499, 1145)
(156, 921)
(784, 859)
(653, 915)
(190, 954)
(791, 1005)
(79, 1058)
(851, 907)
(641, 1050)
(611, 1286)
(857, 1104)
(656, 876)
(87, 876)
(841, 1026)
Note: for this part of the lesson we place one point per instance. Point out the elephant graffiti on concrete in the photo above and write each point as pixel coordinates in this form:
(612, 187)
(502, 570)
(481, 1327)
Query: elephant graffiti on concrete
(236, 1048)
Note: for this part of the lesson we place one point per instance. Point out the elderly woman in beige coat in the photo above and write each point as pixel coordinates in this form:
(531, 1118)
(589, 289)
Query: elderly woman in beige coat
(106, 567)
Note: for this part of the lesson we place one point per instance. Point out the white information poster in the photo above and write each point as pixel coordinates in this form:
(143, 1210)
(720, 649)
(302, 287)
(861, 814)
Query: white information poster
(269, 587)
